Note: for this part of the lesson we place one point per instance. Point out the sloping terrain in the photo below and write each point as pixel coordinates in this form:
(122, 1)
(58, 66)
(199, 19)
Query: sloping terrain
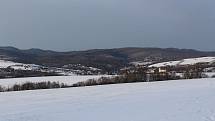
(105, 59)
(190, 61)
(181, 100)
(17, 66)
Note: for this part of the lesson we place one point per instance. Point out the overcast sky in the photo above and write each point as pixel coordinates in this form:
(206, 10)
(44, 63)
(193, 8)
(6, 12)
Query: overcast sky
(85, 24)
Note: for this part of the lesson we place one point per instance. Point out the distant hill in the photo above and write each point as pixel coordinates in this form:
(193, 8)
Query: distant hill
(106, 59)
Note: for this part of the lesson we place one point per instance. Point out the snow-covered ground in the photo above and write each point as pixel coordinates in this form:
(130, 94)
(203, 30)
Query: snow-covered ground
(18, 66)
(190, 61)
(5, 64)
(209, 74)
(181, 100)
(140, 63)
(169, 63)
(69, 80)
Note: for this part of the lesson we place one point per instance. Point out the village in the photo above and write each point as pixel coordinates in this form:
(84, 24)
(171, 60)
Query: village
(170, 72)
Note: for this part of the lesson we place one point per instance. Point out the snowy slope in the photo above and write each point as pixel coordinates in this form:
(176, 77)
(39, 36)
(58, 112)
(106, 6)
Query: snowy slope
(169, 63)
(181, 100)
(140, 63)
(17, 66)
(190, 61)
(69, 80)
(5, 64)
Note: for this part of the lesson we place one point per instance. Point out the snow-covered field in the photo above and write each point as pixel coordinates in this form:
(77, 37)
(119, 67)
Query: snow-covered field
(190, 61)
(5, 64)
(181, 100)
(140, 63)
(210, 74)
(17, 66)
(69, 80)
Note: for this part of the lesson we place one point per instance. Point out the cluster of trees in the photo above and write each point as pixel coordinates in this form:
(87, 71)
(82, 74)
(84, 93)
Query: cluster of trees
(33, 86)
(143, 75)
(100, 81)
(130, 78)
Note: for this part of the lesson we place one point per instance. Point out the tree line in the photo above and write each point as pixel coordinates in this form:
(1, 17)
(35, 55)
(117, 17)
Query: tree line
(33, 86)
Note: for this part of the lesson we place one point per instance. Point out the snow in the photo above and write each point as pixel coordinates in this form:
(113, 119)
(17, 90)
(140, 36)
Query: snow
(25, 67)
(209, 74)
(170, 63)
(69, 80)
(197, 60)
(180, 100)
(5, 64)
(140, 63)
(18, 66)
(190, 61)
